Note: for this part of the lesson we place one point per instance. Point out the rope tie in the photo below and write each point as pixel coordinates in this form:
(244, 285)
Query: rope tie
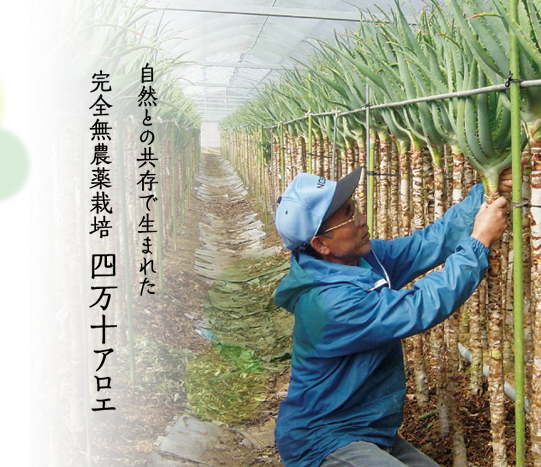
(525, 204)
(511, 80)
(370, 172)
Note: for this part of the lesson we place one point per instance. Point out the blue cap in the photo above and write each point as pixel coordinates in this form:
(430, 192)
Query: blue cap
(307, 202)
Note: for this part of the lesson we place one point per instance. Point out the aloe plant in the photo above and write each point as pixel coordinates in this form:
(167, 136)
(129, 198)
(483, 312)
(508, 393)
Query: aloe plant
(441, 54)
(536, 276)
(528, 33)
(393, 43)
(484, 139)
(487, 35)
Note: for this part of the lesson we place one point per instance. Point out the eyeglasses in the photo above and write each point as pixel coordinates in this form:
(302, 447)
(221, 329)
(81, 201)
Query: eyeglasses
(352, 219)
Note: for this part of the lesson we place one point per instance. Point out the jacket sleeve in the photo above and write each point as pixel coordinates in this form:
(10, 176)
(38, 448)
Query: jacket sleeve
(406, 258)
(345, 319)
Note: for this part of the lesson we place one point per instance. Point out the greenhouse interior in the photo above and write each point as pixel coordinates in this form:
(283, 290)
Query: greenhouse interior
(181, 316)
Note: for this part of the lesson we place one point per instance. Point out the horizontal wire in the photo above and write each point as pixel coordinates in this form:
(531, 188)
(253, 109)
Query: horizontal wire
(369, 172)
(437, 97)
(525, 204)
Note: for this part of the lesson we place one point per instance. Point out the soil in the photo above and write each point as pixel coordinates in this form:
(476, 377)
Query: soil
(421, 426)
(164, 327)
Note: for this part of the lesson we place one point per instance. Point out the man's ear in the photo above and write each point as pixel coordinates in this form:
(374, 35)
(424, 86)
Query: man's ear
(318, 244)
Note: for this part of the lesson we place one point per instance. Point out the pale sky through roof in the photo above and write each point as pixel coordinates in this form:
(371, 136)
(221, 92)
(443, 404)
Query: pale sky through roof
(262, 40)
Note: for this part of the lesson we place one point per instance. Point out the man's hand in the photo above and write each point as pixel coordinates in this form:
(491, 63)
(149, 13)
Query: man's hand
(491, 221)
(505, 183)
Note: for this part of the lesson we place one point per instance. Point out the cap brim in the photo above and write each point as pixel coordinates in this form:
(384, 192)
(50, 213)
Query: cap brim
(344, 189)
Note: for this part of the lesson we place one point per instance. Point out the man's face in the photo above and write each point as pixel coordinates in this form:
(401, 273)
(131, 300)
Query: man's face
(348, 242)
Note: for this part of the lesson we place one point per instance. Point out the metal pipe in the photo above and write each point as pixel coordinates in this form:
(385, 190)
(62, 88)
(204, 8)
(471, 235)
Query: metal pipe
(245, 165)
(183, 176)
(508, 389)
(258, 171)
(264, 178)
(310, 155)
(189, 169)
(255, 10)
(126, 249)
(263, 66)
(451, 95)
(518, 278)
(201, 98)
(532, 83)
(198, 146)
(82, 237)
(333, 165)
(199, 84)
(273, 168)
(370, 171)
(173, 171)
(282, 158)
(307, 115)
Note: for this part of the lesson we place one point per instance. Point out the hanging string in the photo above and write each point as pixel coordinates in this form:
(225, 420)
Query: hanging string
(370, 172)
(525, 204)
(510, 80)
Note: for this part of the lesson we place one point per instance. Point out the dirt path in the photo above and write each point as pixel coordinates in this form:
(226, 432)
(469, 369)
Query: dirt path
(234, 387)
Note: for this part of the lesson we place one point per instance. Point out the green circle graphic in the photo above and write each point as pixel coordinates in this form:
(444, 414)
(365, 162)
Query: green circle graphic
(14, 164)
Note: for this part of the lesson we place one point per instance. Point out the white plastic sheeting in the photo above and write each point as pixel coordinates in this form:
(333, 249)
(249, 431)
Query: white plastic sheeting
(239, 35)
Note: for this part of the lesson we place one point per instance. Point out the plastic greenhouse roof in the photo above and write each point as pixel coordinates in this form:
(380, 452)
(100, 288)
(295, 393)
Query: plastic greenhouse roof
(236, 47)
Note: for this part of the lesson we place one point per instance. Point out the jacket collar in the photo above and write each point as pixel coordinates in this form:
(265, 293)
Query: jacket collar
(368, 274)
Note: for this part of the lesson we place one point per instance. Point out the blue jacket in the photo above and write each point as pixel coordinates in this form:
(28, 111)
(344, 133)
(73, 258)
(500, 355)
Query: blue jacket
(347, 378)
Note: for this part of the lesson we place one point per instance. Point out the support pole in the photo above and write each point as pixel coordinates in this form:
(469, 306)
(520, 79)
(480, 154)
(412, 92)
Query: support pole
(232, 157)
(84, 318)
(310, 168)
(183, 175)
(370, 171)
(125, 245)
(273, 168)
(232, 149)
(518, 294)
(198, 147)
(245, 163)
(190, 149)
(333, 166)
(282, 157)
(174, 176)
(257, 172)
(264, 178)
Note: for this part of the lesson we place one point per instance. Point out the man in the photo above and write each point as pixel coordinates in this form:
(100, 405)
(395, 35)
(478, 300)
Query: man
(346, 397)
